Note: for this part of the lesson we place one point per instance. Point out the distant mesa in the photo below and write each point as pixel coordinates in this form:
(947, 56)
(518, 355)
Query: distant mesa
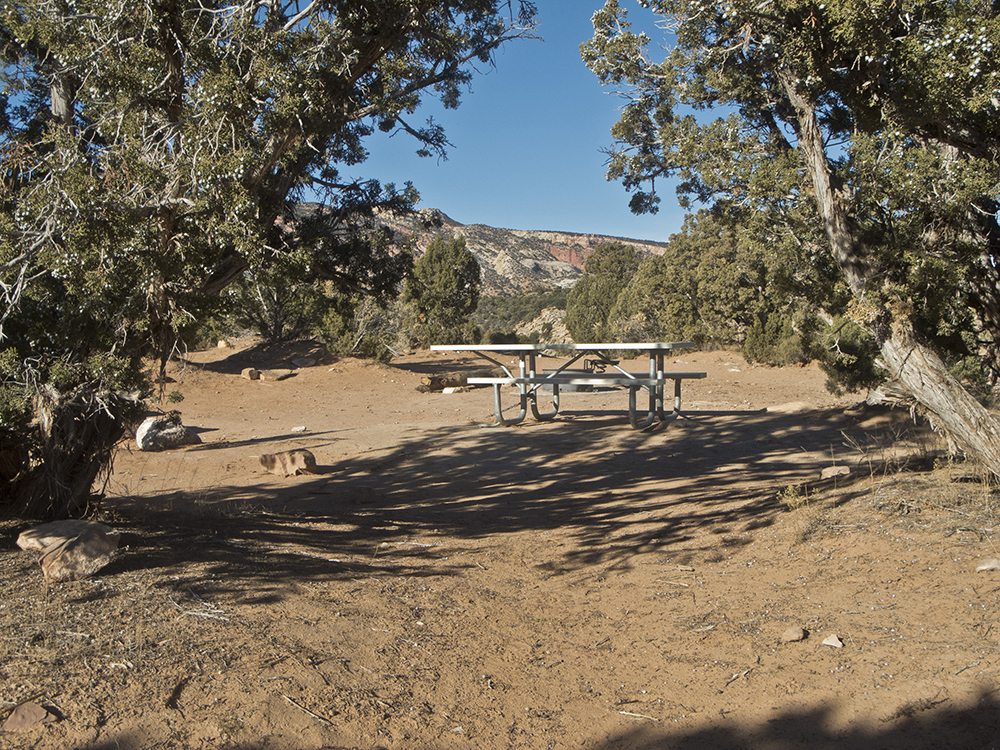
(513, 261)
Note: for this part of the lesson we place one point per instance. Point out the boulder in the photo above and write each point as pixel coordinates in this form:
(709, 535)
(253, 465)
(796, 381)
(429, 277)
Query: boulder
(250, 373)
(163, 433)
(80, 556)
(290, 463)
(57, 532)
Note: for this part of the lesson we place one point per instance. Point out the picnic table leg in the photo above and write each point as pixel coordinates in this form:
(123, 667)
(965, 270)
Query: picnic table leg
(498, 408)
(632, 417)
(543, 417)
(658, 373)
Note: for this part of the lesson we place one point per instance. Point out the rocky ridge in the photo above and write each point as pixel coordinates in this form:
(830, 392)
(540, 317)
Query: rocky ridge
(513, 260)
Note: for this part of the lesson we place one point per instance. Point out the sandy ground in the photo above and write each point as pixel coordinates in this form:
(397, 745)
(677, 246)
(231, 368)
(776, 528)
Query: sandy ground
(571, 584)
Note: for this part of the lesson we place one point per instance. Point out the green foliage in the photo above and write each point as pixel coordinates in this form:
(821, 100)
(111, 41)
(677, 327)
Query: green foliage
(151, 154)
(773, 340)
(589, 303)
(444, 292)
(362, 327)
(847, 353)
(500, 316)
(274, 304)
(903, 100)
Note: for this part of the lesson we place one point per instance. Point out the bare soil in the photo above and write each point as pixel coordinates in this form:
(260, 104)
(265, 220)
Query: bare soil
(570, 584)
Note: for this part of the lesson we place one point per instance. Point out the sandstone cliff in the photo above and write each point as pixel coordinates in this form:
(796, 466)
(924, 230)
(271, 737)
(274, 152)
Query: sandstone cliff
(514, 260)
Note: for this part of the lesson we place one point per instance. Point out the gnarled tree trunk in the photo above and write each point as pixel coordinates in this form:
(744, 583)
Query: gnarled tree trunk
(949, 406)
(918, 369)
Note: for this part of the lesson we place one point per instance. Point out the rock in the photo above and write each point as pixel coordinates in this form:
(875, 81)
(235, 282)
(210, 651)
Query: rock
(304, 362)
(453, 389)
(79, 557)
(163, 433)
(26, 715)
(300, 428)
(835, 471)
(792, 407)
(832, 640)
(276, 374)
(249, 373)
(290, 463)
(991, 564)
(57, 532)
(223, 344)
(793, 634)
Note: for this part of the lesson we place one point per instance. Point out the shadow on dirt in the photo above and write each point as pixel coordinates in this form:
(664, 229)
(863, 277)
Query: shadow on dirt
(413, 510)
(928, 727)
(268, 356)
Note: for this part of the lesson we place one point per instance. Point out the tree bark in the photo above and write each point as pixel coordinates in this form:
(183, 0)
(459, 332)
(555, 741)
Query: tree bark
(950, 407)
(918, 369)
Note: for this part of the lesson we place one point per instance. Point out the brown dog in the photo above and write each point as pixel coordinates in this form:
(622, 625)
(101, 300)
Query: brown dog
(290, 463)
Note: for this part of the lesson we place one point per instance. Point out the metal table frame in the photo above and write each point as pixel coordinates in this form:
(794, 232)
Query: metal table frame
(529, 381)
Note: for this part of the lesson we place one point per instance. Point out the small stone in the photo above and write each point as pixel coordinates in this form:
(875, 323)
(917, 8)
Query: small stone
(792, 407)
(835, 471)
(453, 389)
(276, 374)
(250, 373)
(223, 344)
(793, 634)
(304, 362)
(26, 715)
(832, 640)
(300, 428)
(991, 564)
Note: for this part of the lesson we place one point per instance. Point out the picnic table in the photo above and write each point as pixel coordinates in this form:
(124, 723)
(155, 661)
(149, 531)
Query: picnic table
(599, 369)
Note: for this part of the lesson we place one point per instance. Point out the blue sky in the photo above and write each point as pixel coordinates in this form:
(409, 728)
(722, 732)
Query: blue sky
(527, 141)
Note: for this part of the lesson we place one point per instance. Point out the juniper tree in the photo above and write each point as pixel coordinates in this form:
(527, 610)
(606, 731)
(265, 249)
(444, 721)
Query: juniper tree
(444, 291)
(867, 134)
(154, 150)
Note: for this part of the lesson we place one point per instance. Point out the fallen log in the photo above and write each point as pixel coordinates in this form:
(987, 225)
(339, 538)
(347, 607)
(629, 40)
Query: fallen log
(457, 379)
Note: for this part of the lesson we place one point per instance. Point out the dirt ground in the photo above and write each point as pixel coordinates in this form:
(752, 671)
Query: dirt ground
(570, 584)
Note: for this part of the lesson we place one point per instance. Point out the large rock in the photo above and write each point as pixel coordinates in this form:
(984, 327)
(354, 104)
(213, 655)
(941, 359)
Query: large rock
(163, 433)
(72, 549)
(79, 557)
(57, 532)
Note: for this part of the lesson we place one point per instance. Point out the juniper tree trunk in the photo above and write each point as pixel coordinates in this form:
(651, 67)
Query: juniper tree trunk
(949, 406)
(917, 368)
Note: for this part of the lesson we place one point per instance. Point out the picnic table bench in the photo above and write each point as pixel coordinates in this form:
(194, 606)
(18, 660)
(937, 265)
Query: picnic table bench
(599, 371)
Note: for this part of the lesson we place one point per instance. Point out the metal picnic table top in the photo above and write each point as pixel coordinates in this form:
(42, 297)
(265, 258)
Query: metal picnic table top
(529, 381)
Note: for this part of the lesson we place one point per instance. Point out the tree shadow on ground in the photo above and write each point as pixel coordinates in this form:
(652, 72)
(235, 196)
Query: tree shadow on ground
(697, 488)
(918, 727)
(913, 727)
(265, 356)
